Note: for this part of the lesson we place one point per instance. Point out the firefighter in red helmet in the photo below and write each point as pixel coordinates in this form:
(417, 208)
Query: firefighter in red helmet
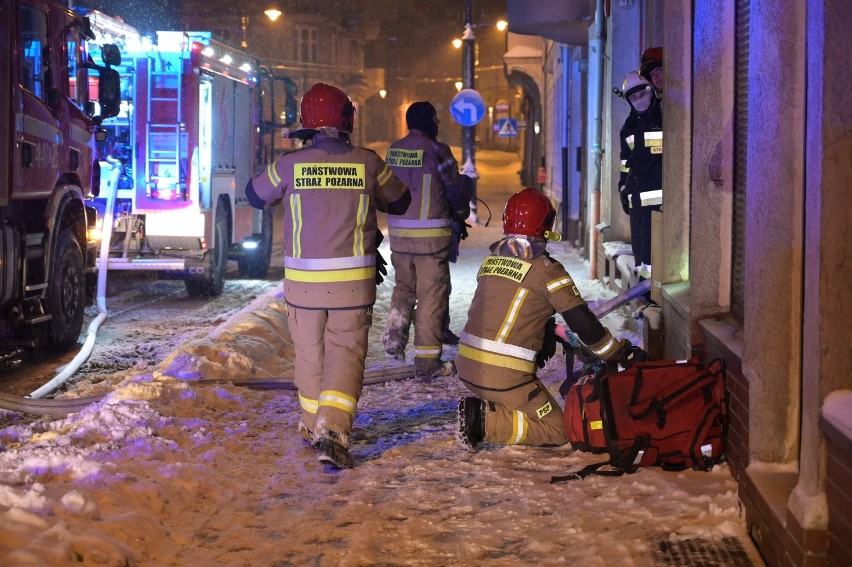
(330, 190)
(519, 288)
(651, 67)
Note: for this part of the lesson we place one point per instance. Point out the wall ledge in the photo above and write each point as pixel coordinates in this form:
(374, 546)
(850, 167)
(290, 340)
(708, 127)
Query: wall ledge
(836, 419)
(726, 332)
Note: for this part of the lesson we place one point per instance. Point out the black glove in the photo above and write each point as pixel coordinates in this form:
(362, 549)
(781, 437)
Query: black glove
(381, 268)
(627, 354)
(381, 264)
(625, 199)
(548, 346)
(463, 226)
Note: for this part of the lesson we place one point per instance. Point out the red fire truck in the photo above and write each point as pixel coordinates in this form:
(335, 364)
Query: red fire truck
(49, 90)
(180, 153)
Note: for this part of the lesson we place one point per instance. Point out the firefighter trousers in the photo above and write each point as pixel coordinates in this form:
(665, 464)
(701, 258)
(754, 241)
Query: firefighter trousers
(640, 234)
(331, 346)
(524, 415)
(424, 281)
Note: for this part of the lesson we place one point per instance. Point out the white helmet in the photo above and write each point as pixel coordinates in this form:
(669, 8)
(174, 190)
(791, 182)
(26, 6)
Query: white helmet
(637, 91)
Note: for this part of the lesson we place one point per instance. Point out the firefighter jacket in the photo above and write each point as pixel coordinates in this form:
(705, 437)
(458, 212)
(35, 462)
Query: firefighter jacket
(330, 191)
(506, 321)
(642, 156)
(431, 173)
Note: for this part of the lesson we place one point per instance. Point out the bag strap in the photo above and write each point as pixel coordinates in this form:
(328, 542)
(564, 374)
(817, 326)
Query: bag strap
(590, 470)
(674, 392)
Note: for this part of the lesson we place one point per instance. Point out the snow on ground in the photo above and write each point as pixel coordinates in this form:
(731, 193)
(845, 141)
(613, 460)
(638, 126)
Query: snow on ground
(170, 470)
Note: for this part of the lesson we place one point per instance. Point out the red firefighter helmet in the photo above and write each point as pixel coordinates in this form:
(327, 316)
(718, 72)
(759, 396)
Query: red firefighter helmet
(325, 105)
(530, 213)
(651, 59)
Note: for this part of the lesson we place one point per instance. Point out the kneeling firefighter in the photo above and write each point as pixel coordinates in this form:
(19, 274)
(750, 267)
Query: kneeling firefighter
(519, 288)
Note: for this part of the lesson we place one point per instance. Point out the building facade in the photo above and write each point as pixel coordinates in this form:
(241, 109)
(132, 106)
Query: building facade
(751, 246)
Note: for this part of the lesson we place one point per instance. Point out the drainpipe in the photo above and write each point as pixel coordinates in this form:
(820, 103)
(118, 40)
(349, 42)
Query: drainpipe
(593, 179)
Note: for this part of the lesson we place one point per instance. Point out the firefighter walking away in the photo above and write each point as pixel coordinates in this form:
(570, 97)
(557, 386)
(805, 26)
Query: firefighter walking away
(330, 190)
(420, 241)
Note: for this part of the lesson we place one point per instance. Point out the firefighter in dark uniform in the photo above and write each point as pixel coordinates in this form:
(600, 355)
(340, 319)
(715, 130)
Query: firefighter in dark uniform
(640, 183)
(651, 68)
(519, 287)
(420, 241)
(330, 190)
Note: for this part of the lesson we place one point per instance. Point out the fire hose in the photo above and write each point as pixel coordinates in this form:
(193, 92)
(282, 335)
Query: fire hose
(373, 376)
(91, 332)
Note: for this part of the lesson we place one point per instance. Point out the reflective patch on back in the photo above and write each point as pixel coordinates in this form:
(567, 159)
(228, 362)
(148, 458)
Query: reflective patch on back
(398, 157)
(307, 176)
(510, 268)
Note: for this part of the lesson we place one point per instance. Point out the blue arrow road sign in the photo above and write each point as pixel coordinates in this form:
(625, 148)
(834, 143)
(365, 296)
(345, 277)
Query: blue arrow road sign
(467, 107)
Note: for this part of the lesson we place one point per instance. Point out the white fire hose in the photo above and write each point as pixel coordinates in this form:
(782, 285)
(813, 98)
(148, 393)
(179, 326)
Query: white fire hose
(89, 344)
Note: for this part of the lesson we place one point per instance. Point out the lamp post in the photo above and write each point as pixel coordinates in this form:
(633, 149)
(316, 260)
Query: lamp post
(469, 57)
(469, 132)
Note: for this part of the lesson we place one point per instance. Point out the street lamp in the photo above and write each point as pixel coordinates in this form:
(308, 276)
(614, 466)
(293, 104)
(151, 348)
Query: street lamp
(272, 13)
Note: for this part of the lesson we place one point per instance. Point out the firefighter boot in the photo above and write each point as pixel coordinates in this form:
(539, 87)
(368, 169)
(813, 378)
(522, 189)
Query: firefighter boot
(426, 369)
(332, 451)
(395, 338)
(471, 423)
(307, 434)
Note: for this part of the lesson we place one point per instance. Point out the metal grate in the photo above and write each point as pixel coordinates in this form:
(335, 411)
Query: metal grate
(725, 552)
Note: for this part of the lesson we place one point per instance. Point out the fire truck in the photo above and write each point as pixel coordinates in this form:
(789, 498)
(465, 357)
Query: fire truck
(54, 97)
(178, 156)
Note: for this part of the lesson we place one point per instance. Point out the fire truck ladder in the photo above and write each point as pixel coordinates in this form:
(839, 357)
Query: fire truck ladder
(163, 151)
(162, 133)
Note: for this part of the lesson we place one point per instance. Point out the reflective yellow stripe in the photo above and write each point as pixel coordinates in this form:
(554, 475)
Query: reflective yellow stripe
(653, 139)
(420, 232)
(339, 400)
(498, 348)
(512, 315)
(559, 284)
(308, 404)
(360, 220)
(354, 274)
(624, 168)
(629, 141)
(650, 198)
(610, 345)
(425, 196)
(519, 428)
(500, 360)
(296, 216)
(384, 175)
(449, 162)
(427, 351)
(274, 178)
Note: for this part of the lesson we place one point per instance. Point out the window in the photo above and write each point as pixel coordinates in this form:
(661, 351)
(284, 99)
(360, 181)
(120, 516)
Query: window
(34, 68)
(308, 44)
(75, 53)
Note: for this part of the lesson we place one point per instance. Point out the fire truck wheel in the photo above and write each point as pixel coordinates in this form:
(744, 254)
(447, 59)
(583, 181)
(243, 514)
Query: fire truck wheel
(214, 285)
(67, 292)
(255, 263)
